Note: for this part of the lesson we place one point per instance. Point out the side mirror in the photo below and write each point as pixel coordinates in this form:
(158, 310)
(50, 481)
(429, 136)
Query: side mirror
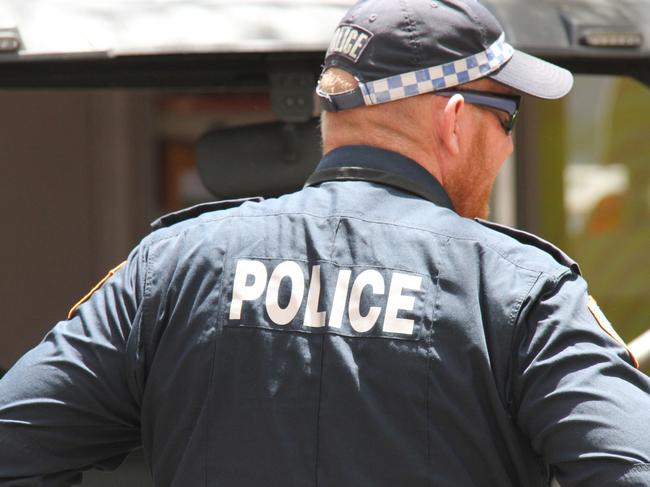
(258, 160)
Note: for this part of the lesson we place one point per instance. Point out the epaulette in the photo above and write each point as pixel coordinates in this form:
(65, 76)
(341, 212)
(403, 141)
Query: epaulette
(194, 211)
(531, 239)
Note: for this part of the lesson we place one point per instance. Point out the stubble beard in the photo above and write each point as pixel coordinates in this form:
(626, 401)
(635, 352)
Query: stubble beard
(471, 188)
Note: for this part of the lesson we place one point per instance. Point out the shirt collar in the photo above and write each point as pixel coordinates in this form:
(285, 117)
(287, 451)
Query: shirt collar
(367, 163)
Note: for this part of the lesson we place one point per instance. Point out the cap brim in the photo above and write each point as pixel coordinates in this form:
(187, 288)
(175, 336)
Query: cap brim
(534, 76)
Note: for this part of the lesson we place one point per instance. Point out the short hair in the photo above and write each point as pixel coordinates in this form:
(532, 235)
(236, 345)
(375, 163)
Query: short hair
(398, 117)
(335, 80)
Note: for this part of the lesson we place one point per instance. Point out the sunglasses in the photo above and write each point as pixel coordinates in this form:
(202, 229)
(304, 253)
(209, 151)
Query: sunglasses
(508, 104)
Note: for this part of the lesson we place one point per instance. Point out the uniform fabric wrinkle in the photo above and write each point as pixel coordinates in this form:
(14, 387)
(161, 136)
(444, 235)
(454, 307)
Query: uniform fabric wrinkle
(432, 350)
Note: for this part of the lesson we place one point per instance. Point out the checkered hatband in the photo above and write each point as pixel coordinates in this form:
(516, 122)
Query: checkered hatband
(438, 77)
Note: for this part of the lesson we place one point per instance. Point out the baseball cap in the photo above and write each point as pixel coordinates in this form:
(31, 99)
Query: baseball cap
(401, 48)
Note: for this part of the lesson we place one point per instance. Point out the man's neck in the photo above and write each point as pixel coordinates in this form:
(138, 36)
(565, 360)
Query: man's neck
(422, 157)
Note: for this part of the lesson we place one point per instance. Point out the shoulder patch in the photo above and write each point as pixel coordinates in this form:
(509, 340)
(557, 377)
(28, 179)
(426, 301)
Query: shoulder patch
(607, 327)
(531, 239)
(93, 290)
(194, 211)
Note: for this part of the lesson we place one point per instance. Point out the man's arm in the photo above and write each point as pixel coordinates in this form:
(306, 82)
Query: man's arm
(72, 402)
(580, 400)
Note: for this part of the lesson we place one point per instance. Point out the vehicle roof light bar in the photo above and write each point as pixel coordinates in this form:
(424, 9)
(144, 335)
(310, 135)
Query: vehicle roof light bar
(602, 25)
(601, 38)
(9, 40)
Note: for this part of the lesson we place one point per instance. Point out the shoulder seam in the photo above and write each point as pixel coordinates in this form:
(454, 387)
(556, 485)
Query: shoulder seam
(516, 320)
(146, 318)
(356, 217)
(198, 210)
(513, 322)
(530, 239)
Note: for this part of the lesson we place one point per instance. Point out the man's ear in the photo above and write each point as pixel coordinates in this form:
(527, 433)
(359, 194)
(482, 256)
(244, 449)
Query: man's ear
(449, 124)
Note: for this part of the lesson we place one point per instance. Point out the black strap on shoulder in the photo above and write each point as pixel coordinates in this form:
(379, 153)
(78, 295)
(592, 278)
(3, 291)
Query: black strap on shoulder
(439, 198)
(531, 239)
(194, 211)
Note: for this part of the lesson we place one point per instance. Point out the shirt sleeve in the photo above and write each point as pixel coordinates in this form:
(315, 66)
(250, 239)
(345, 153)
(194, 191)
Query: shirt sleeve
(72, 402)
(584, 406)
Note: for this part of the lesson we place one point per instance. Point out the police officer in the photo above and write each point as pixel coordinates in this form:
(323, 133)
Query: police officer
(365, 331)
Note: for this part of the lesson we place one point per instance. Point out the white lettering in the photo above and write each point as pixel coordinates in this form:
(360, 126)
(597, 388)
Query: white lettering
(345, 32)
(338, 39)
(349, 41)
(397, 301)
(313, 317)
(340, 296)
(335, 41)
(358, 302)
(241, 292)
(374, 279)
(359, 45)
(292, 271)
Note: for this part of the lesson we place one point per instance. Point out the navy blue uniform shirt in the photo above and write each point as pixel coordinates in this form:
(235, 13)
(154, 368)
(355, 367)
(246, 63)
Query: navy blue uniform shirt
(355, 333)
